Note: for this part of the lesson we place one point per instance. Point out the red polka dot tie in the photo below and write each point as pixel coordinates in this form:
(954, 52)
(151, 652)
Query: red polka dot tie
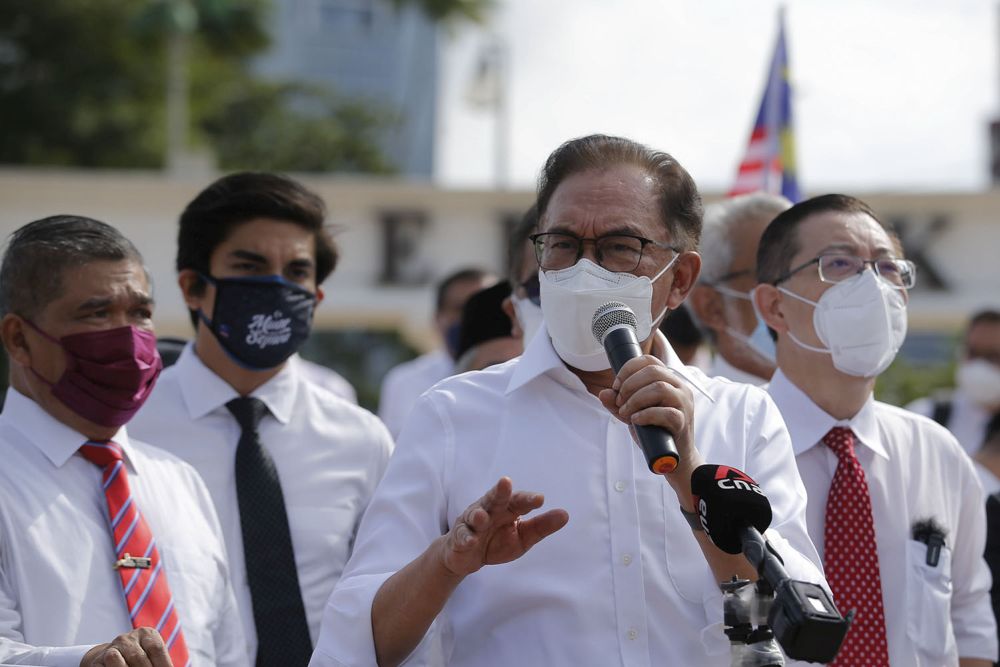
(851, 557)
(144, 582)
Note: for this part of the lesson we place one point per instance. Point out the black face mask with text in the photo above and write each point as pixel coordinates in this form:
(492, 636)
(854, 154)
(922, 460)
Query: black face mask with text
(260, 321)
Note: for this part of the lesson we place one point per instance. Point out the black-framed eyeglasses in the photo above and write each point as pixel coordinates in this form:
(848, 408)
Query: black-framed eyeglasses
(836, 267)
(614, 252)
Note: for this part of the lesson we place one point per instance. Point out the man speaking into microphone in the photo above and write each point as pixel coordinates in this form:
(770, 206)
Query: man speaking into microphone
(452, 566)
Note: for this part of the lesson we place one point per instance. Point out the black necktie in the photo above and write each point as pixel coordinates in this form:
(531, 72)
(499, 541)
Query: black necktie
(278, 612)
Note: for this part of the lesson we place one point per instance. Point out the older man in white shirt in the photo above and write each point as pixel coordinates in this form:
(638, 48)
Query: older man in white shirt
(616, 575)
(721, 301)
(894, 504)
(99, 533)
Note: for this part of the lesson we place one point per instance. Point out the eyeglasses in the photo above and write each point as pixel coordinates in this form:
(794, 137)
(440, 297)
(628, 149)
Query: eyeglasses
(614, 252)
(835, 267)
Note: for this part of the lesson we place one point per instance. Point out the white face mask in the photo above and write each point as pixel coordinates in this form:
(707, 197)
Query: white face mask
(861, 321)
(570, 297)
(980, 381)
(759, 341)
(529, 317)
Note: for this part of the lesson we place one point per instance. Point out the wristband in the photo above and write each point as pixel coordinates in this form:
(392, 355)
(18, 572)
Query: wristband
(693, 520)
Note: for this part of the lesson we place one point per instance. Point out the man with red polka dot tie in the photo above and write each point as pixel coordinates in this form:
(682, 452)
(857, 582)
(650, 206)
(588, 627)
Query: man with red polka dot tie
(894, 506)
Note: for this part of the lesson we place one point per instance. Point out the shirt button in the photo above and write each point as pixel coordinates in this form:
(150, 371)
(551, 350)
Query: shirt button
(619, 486)
(627, 559)
(632, 634)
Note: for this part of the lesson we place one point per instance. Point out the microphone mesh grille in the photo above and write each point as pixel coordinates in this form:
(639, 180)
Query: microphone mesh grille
(609, 316)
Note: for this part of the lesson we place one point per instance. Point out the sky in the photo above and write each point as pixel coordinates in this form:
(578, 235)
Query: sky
(889, 95)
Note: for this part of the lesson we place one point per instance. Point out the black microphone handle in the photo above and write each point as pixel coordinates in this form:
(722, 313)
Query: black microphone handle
(657, 443)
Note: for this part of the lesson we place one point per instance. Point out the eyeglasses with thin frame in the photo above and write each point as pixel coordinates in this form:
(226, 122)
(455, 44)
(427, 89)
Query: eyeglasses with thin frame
(620, 253)
(836, 267)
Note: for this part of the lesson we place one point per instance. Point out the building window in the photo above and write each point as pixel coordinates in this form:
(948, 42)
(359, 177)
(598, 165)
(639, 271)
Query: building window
(403, 262)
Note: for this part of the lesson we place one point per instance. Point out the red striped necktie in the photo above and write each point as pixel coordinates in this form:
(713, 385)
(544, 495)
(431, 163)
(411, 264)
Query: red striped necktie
(144, 582)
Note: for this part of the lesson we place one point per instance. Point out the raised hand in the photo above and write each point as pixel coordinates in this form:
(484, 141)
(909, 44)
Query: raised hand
(492, 529)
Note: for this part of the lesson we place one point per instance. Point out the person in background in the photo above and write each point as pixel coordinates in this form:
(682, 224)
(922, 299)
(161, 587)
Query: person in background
(104, 540)
(683, 335)
(404, 383)
(523, 306)
(290, 466)
(894, 505)
(485, 338)
(621, 573)
(721, 301)
(976, 399)
(987, 459)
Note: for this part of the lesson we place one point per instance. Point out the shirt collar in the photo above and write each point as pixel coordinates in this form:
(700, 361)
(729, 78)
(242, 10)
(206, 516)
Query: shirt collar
(541, 358)
(807, 422)
(204, 391)
(57, 441)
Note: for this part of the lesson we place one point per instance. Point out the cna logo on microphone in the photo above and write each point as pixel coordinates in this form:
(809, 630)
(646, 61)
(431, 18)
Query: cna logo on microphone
(731, 479)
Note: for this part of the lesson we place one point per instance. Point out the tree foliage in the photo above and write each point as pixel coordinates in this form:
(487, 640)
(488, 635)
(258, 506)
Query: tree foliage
(82, 83)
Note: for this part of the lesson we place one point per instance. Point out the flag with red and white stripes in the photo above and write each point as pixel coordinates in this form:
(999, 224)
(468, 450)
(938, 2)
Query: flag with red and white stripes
(769, 163)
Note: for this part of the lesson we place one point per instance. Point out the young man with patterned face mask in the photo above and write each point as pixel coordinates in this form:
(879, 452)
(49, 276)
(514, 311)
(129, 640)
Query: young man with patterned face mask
(100, 532)
(616, 575)
(894, 505)
(290, 466)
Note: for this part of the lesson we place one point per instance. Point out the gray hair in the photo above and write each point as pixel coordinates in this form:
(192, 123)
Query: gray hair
(721, 218)
(38, 253)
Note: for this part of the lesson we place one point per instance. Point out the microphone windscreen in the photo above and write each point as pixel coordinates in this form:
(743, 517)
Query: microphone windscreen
(727, 500)
(610, 316)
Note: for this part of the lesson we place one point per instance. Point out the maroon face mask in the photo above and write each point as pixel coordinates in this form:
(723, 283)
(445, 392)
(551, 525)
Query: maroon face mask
(109, 374)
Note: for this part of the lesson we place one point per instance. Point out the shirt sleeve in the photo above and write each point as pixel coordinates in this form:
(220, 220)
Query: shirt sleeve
(407, 512)
(771, 462)
(971, 613)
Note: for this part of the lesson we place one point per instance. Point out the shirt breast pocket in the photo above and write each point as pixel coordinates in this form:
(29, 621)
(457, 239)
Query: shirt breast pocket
(928, 590)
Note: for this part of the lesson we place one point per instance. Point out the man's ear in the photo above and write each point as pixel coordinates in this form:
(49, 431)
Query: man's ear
(14, 340)
(767, 301)
(707, 306)
(686, 271)
(507, 306)
(192, 288)
(320, 295)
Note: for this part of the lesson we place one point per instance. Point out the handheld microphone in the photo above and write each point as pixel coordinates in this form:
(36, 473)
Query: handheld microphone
(614, 327)
(734, 512)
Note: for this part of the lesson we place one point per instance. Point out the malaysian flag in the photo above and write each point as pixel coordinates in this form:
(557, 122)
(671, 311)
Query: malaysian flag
(769, 163)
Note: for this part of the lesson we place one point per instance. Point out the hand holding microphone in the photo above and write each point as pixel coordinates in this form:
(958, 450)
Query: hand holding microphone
(650, 399)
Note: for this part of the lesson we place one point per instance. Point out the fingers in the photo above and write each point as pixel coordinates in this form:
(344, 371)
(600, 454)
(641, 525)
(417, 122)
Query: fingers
(142, 647)
(498, 495)
(652, 386)
(534, 530)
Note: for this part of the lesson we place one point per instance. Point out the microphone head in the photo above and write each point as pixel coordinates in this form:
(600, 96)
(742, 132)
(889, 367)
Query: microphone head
(610, 316)
(727, 500)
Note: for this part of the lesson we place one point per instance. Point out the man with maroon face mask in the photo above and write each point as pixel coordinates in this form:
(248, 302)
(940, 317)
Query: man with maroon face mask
(111, 549)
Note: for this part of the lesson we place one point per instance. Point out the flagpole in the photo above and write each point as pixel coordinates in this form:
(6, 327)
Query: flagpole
(501, 118)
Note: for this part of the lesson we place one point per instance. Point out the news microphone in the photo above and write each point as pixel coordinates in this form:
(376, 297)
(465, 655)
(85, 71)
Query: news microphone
(727, 501)
(614, 327)
(734, 513)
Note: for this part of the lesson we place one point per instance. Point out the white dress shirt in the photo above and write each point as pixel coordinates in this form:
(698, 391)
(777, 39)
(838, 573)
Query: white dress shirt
(404, 383)
(723, 369)
(329, 379)
(59, 592)
(967, 421)
(624, 583)
(915, 471)
(329, 454)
